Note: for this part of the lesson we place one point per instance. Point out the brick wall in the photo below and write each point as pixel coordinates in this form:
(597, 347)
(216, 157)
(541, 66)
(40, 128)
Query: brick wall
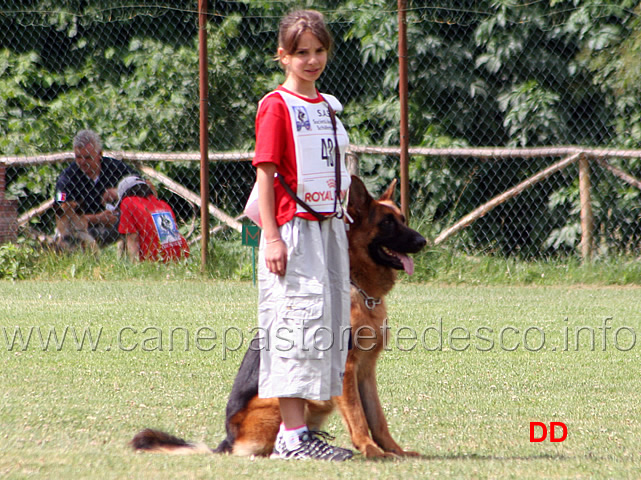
(8, 212)
(8, 220)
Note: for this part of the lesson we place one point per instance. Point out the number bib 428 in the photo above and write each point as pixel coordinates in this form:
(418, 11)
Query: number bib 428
(315, 151)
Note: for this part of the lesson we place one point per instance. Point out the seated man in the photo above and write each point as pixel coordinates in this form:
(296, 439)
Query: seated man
(91, 181)
(148, 223)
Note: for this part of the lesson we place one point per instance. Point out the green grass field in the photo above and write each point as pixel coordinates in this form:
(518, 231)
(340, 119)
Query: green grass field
(467, 370)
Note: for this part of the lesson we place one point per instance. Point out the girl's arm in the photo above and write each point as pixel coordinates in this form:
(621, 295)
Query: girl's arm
(133, 247)
(275, 248)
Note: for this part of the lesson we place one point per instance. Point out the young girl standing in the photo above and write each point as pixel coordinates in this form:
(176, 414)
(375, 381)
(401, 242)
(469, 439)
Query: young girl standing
(304, 268)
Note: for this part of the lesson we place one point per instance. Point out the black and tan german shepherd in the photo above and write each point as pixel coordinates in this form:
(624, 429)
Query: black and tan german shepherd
(379, 241)
(72, 228)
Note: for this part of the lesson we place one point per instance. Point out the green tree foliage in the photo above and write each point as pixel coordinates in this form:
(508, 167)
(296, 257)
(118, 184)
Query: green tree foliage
(507, 73)
(608, 38)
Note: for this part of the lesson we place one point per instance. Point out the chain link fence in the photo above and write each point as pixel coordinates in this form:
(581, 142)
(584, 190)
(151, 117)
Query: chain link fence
(481, 74)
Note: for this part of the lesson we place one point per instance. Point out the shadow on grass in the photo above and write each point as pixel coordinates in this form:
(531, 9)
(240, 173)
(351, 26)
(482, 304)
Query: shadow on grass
(465, 456)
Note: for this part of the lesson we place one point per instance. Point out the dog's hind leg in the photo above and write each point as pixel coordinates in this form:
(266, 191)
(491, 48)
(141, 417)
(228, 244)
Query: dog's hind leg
(316, 412)
(256, 427)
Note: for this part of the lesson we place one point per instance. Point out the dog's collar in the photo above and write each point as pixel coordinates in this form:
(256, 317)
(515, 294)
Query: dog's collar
(370, 302)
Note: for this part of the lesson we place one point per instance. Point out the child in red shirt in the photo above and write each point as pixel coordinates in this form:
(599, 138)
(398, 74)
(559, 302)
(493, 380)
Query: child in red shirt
(304, 266)
(148, 223)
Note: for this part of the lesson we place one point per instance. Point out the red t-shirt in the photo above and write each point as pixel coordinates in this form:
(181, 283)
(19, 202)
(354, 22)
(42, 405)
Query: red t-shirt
(275, 144)
(154, 222)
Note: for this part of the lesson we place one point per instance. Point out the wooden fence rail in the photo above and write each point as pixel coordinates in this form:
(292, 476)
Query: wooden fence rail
(569, 154)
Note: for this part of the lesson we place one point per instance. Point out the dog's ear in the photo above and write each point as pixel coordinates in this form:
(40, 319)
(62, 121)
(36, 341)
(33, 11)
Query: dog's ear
(359, 199)
(389, 193)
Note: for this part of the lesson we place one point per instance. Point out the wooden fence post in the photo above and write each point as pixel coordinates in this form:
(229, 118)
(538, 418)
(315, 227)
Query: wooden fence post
(351, 159)
(587, 218)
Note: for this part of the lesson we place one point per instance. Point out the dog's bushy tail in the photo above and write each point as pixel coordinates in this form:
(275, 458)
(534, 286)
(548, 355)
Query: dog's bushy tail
(244, 389)
(150, 440)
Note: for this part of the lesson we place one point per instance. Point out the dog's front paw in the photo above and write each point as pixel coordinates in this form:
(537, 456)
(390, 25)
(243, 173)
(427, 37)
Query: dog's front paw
(374, 451)
(407, 453)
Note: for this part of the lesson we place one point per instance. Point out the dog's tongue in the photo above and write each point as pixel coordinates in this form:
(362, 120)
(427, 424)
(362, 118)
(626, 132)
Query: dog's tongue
(408, 263)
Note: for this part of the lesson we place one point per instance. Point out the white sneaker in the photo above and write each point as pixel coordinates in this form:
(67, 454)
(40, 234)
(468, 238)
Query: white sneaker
(312, 445)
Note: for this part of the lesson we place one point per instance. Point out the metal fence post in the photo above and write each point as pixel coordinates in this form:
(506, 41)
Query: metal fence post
(402, 92)
(204, 137)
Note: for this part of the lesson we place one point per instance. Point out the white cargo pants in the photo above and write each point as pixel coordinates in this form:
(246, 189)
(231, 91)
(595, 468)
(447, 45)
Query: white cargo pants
(304, 316)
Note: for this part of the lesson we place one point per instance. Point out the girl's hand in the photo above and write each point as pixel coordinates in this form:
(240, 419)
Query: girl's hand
(276, 256)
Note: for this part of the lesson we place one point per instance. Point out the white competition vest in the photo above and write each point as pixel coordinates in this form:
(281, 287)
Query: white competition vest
(315, 155)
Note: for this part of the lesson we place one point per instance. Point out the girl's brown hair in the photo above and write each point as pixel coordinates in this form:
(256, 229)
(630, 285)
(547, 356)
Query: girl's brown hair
(295, 23)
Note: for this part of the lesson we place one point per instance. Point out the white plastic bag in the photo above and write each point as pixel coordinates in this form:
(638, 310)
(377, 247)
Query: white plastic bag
(251, 208)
